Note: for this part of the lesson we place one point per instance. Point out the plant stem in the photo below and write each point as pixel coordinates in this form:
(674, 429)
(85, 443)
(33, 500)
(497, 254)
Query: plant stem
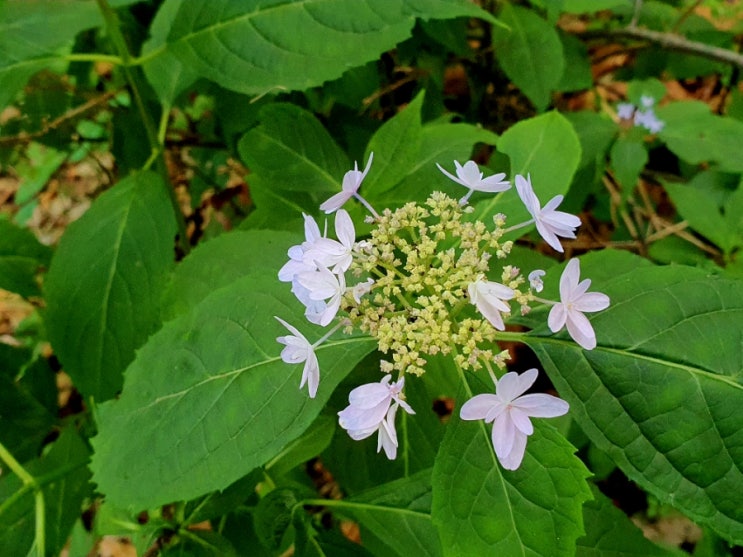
(112, 25)
(29, 483)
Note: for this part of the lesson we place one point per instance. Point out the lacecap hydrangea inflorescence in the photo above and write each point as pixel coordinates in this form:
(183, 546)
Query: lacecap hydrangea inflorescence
(420, 285)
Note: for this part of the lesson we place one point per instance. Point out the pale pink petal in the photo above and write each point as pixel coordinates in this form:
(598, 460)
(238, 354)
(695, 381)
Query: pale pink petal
(513, 459)
(478, 407)
(388, 434)
(336, 201)
(548, 236)
(521, 420)
(540, 405)
(557, 317)
(569, 279)
(592, 301)
(504, 433)
(581, 330)
(344, 229)
(311, 374)
(494, 183)
(450, 175)
(513, 385)
(527, 195)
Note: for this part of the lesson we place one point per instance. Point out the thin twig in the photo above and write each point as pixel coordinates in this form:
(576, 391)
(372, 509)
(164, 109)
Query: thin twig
(26, 137)
(671, 41)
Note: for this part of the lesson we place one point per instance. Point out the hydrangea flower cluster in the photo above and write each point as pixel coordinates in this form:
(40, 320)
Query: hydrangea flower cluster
(643, 115)
(421, 285)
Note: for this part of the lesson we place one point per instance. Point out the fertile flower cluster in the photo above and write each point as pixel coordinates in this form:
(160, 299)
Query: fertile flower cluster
(643, 116)
(421, 285)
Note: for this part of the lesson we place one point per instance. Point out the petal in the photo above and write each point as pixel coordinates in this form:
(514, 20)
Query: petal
(470, 174)
(504, 433)
(311, 229)
(541, 405)
(311, 374)
(512, 385)
(335, 202)
(527, 195)
(581, 330)
(569, 279)
(451, 176)
(557, 317)
(355, 418)
(368, 166)
(513, 459)
(291, 329)
(592, 301)
(494, 183)
(548, 235)
(478, 407)
(521, 420)
(388, 434)
(370, 395)
(344, 229)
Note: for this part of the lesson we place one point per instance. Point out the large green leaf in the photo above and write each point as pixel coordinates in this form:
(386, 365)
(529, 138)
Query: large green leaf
(696, 135)
(21, 258)
(208, 398)
(530, 52)
(609, 533)
(221, 261)
(661, 394)
(262, 45)
(105, 282)
(395, 518)
(481, 509)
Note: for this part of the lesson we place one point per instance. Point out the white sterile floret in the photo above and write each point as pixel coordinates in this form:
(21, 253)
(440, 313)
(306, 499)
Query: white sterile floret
(361, 288)
(296, 263)
(372, 408)
(550, 222)
(470, 177)
(297, 349)
(489, 298)
(535, 280)
(351, 184)
(337, 255)
(509, 412)
(574, 300)
(324, 286)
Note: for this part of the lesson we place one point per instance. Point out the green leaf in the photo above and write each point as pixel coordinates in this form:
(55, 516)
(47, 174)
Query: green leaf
(481, 509)
(697, 136)
(257, 47)
(530, 52)
(609, 533)
(577, 74)
(221, 261)
(699, 209)
(28, 43)
(590, 6)
(395, 146)
(104, 285)
(208, 398)
(65, 487)
(544, 147)
(272, 518)
(312, 442)
(441, 143)
(395, 518)
(628, 158)
(21, 259)
(661, 394)
(292, 151)
(595, 131)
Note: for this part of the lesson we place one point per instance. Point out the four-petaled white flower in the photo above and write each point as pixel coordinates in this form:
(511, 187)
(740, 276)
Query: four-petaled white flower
(351, 184)
(324, 285)
(489, 298)
(574, 300)
(509, 412)
(372, 408)
(470, 177)
(297, 349)
(550, 223)
(337, 255)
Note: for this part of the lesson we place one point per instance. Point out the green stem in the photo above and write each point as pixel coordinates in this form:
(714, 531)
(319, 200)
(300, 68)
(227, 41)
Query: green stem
(112, 25)
(29, 483)
(93, 57)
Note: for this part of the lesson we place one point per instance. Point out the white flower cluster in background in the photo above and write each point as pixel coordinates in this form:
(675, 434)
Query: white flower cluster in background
(643, 116)
(421, 285)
